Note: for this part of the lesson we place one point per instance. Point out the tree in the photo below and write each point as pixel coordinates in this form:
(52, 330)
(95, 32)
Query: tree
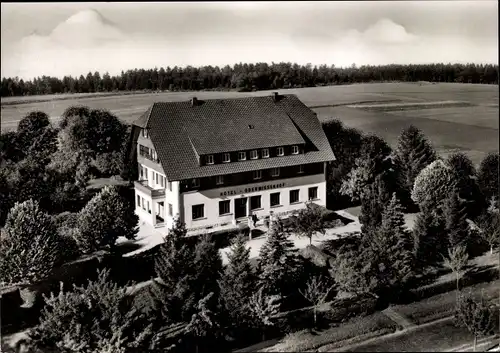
(413, 153)
(488, 176)
(238, 282)
(376, 197)
(277, 262)
(309, 221)
(429, 236)
(455, 216)
(208, 267)
(476, 316)
(99, 317)
(173, 294)
(316, 292)
(432, 185)
(457, 261)
(30, 246)
(263, 309)
(106, 217)
(204, 325)
(489, 228)
(465, 181)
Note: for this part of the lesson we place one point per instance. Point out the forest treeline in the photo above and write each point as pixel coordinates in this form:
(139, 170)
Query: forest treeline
(246, 77)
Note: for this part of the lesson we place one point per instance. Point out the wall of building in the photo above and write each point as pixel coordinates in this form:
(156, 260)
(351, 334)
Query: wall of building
(210, 199)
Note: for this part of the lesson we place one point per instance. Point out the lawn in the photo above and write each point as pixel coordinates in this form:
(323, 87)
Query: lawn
(375, 324)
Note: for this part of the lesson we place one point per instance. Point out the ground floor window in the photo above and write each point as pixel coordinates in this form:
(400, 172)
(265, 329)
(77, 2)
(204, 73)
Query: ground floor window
(275, 199)
(224, 207)
(255, 202)
(198, 211)
(313, 193)
(294, 196)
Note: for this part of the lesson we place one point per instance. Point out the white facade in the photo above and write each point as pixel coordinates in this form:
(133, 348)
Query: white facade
(239, 197)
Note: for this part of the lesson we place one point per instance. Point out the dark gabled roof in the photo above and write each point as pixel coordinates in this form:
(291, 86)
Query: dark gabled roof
(182, 132)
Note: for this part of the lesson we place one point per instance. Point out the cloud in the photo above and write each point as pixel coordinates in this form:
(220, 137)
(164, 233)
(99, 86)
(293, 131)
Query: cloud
(384, 31)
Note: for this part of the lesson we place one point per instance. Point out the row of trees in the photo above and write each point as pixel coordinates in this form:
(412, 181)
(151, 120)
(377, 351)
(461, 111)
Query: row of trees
(257, 76)
(52, 165)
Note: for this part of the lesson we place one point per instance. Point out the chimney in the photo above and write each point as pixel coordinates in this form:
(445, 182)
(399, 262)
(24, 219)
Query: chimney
(194, 101)
(275, 96)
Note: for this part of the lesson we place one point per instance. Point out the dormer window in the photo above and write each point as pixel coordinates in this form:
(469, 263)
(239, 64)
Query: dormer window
(254, 154)
(145, 133)
(280, 151)
(195, 183)
(257, 174)
(275, 172)
(265, 153)
(295, 149)
(219, 179)
(226, 158)
(242, 156)
(210, 159)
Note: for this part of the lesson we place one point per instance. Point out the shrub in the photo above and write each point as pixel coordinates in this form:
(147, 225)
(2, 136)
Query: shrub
(30, 247)
(97, 318)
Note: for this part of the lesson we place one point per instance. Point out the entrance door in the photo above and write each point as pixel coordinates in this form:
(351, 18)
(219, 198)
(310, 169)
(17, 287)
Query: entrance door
(240, 207)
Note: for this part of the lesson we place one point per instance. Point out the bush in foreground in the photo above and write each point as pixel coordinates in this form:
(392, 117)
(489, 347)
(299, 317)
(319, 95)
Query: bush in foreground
(96, 318)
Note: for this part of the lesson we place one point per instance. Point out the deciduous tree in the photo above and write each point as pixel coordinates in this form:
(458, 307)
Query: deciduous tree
(263, 309)
(316, 292)
(457, 261)
(309, 221)
(98, 317)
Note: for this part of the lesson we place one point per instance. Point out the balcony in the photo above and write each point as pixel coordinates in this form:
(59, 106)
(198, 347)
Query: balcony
(149, 156)
(148, 190)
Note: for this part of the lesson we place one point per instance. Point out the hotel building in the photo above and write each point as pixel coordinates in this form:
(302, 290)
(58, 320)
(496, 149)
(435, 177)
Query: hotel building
(213, 163)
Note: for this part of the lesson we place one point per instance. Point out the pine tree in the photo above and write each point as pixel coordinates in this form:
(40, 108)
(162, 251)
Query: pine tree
(430, 239)
(208, 267)
(376, 197)
(238, 282)
(173, 296)
(413, 153)
(263, 309)
(488, 176)
(30, 248)
(204, 326)
(455, 215)
(465, 181)
(394, 242)
(277, 264)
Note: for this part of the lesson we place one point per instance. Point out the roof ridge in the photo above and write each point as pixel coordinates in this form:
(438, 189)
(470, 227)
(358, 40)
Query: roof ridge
(224, 99)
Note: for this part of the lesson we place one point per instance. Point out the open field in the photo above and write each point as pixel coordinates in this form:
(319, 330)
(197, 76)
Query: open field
(455, 117)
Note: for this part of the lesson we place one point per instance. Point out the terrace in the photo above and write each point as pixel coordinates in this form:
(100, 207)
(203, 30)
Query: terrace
(143, 186)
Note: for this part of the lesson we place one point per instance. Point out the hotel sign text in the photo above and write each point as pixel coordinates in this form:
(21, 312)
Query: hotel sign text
(252, 189)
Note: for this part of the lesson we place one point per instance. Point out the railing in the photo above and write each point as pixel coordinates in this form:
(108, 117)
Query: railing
(144, 187)
(149, 156)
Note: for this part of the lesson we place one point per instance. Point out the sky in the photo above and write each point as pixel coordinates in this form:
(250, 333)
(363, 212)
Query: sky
(60, 39)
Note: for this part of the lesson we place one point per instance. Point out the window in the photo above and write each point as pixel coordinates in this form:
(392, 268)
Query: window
(149, 209)
(265, 153)
(295, 149)
(275, 172)
(210, 159)
(275, 199)
(195, 183)
(219, 179)
(138, 201)
(313, 193)
(143, 204)
(257, 174)
(280, 151)
(301, 169)
(145, 133)
(198, 211)
(242, 156)
(162, 181)
(294, 196)
(170, 185)
(157, 177)
(145, 173)
(254, 154)
(226, 158)
(154, 155)
(255, 202)
(170, 210)
(224, 207)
